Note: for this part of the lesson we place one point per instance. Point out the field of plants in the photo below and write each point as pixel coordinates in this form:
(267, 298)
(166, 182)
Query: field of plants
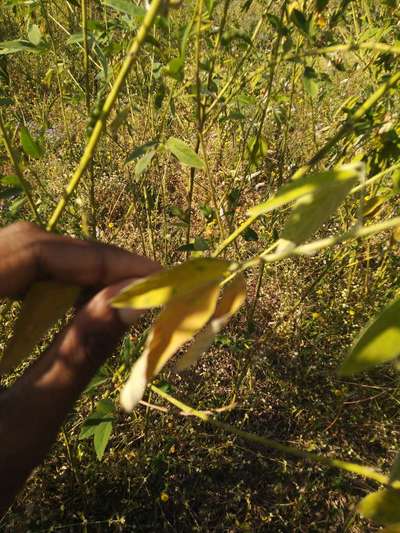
(252, 147)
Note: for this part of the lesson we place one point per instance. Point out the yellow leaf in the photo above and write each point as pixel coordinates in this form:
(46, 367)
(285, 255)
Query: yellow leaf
(160, 288)
(382, 506)
(232, 299)
(177, 323)
(45, 303)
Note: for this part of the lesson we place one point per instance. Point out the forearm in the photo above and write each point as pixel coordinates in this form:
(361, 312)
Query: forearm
(33, 410)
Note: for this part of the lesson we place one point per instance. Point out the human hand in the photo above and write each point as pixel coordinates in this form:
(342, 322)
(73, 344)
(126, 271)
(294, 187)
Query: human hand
(33, 409)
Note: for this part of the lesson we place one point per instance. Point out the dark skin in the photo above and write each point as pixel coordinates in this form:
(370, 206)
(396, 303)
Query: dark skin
(35, 406)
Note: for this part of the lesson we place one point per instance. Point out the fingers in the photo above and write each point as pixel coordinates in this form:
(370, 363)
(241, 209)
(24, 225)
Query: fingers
(77, 353)
(30, 254)
(44, 395)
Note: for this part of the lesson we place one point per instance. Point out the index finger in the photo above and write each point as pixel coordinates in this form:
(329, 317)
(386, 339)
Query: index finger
(29, 254)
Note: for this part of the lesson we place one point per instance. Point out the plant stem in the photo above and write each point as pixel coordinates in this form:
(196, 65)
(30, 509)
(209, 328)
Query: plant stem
(361, 470)
(24, 184)
(108, 104)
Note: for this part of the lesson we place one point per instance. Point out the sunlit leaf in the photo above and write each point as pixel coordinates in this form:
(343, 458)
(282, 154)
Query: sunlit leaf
(232, 299)
(378, 343)
(306, 185)
(158, 289)
(177, 323)
(45, 304)
(312, 210)
(184, 153)
(382, 506)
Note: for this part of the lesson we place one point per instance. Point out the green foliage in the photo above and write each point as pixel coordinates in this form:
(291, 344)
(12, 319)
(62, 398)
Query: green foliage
(379, 343)
(291, 110)
(184, 153)
(382, 506)
(99, 425)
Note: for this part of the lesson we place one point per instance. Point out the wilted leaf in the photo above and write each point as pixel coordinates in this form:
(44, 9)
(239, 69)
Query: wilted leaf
(45, 304)
(177, 323)
(158, 289)
(382, 506)
(306, 185)
(184, 153)
(232, 299)
(30, 146)
(379, 342)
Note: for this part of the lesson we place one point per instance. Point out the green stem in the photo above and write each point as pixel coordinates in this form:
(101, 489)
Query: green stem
(108, 104)
(24, 184)
(361, 470)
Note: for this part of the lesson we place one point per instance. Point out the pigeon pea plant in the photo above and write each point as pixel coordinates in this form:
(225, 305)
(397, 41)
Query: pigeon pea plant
(348, 173)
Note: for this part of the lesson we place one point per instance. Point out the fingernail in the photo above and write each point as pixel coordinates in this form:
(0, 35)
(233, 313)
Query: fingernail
(127, 315)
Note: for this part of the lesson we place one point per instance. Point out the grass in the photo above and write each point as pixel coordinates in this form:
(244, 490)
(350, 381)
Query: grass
(163, 470)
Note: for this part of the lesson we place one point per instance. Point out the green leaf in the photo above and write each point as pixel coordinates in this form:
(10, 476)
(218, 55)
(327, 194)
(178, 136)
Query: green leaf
(184, 153)
(298, 18)
(310, 81)
(11, 181)
(250, 235)
(382, 506)
(320, 5)
(6, 101)
(141, 150)
(144, 162)
(35, 35)
(277, 24)
(175, 68)
(30, 146)
(378, 343)
(305, 185)
(98, 379)
(75, 38)
(19, 45)
(200, 244)
(101, 437)
(126, 7)
(312, 210)
(395, 471)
